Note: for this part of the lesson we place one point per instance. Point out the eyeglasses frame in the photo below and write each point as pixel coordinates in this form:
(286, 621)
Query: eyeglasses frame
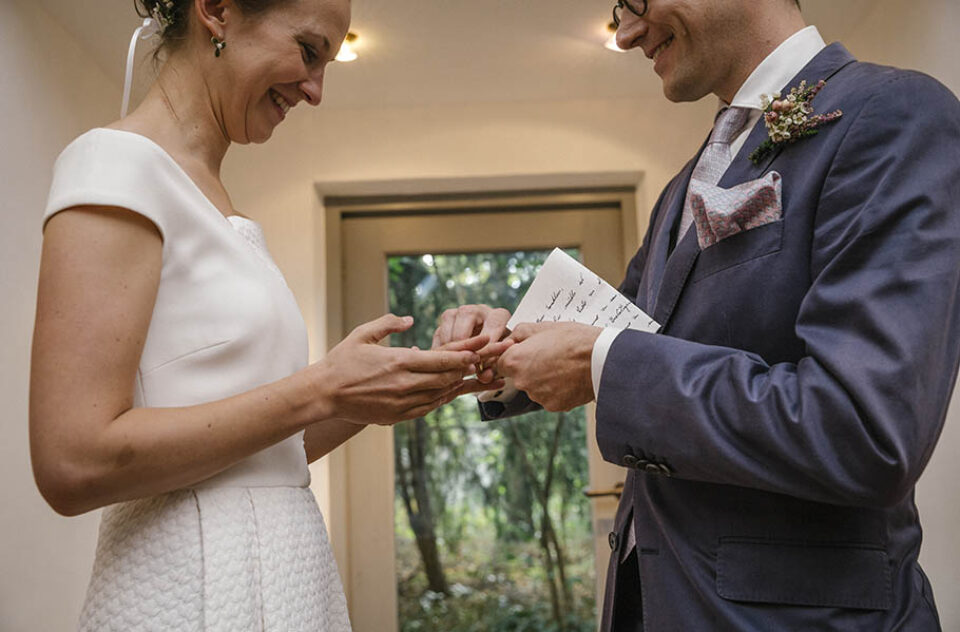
(626, 4)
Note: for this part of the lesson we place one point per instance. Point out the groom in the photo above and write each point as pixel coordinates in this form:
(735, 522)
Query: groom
(808, 290)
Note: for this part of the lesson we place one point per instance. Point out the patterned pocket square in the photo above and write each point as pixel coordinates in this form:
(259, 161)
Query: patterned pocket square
(720, 213)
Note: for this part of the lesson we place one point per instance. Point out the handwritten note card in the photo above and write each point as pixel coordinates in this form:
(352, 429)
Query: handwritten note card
(567, 291)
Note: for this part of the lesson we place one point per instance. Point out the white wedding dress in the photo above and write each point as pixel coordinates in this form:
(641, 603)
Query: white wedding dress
(246, 550)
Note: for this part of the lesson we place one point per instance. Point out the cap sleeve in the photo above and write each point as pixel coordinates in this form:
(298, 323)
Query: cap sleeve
(110, 168)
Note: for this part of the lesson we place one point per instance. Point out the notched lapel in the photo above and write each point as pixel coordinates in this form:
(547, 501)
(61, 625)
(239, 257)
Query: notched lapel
(824, 66)
(675, 275)
(742, 169)
(660, 247)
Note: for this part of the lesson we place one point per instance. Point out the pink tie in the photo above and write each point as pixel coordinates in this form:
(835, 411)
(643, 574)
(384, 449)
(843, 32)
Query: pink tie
(716, 157)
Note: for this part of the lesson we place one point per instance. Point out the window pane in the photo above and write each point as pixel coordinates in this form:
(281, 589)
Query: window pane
(492, 529)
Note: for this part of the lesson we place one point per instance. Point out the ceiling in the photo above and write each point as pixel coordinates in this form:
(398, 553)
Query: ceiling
(419, 52)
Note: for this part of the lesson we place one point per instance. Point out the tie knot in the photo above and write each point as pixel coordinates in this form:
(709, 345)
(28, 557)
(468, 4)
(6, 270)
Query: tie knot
(729, 123)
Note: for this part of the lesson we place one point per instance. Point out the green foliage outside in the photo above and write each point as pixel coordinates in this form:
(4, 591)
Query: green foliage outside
(493, 532)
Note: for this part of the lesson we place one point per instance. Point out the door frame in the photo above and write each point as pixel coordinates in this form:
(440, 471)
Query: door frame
(334, 487)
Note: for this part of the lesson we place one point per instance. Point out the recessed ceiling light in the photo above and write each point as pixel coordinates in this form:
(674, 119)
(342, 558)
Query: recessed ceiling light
(611, 43)
(347, 52)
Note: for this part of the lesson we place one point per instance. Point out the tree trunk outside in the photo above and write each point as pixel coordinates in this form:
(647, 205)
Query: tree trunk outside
(553, 553)
(414, 480)
(422, 522)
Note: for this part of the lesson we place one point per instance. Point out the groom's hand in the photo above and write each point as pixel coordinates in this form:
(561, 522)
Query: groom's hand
(551, 363)
(467, 321)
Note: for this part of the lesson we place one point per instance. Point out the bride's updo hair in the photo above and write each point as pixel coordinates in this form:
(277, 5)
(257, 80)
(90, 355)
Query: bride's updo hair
(174, 16)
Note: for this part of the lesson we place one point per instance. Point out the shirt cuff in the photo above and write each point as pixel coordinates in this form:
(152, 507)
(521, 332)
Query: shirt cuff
(600, 349)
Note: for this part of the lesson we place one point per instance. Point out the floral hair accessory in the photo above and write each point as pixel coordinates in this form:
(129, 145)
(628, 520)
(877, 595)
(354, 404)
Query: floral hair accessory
(791, 119)
(164, 13)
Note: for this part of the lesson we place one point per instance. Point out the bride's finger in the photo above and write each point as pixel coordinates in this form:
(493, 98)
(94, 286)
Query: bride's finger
(425, 407)
(417, 361)
(430, 401)
(422, 383)
(435, 397)
(376, 330)
(488, 374)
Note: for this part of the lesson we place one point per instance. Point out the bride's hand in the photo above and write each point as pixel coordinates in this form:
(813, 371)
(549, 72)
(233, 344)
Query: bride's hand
(365, 382)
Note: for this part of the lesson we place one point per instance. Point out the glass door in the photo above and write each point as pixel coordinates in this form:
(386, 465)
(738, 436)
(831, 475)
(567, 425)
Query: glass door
(445, 522)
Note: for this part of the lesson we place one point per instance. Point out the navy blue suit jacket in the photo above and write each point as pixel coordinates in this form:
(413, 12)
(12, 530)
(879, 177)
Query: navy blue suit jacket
(777, 425)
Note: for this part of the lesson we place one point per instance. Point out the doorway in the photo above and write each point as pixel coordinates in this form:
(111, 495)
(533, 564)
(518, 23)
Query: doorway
(447, 522)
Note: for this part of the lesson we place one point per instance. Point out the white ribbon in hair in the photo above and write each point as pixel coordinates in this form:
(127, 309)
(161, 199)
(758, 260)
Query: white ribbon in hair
(148, 29)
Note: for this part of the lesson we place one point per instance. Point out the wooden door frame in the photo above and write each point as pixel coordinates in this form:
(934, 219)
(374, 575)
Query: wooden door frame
(330, 209)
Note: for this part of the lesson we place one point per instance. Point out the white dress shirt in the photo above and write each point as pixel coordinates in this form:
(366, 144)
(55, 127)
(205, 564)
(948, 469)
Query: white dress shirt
(771, 75)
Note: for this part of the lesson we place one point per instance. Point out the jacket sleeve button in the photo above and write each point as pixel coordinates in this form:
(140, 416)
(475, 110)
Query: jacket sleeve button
(652, 468)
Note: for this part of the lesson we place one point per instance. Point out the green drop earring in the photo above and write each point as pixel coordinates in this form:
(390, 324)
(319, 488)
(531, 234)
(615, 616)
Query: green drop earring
(218, 45)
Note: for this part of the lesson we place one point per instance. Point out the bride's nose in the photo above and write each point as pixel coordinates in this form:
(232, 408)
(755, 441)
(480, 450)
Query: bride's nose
(312, 88)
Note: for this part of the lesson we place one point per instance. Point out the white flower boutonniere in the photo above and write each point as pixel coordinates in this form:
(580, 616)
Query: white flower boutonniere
(791, 119)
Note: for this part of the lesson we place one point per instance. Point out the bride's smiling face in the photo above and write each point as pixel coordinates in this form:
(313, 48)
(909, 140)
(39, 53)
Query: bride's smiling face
(275, 60)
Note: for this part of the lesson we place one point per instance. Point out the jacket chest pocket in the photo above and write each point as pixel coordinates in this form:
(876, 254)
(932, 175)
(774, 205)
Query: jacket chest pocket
(739, 249)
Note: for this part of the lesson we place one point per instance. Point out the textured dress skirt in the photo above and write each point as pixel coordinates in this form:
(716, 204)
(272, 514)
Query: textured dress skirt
(224, 559)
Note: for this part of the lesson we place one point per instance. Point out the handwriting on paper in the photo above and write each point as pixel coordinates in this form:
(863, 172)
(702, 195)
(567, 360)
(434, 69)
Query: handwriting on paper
(566, 291)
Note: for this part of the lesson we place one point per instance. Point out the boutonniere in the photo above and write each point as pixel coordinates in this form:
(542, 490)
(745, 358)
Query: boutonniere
(791, 119)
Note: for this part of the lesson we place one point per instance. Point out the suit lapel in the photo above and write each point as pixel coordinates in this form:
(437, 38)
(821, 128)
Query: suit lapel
(671, 273)
(660, 247)
(675, 275)
(824, 66)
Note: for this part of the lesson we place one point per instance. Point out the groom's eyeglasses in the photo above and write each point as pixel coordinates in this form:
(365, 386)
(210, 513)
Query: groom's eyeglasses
(630, 6)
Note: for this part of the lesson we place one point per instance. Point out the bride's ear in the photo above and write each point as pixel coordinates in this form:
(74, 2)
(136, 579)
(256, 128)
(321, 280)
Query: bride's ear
(214, 16)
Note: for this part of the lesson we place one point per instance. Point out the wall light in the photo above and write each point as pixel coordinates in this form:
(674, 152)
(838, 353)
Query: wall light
(347, 52)
(611, 43)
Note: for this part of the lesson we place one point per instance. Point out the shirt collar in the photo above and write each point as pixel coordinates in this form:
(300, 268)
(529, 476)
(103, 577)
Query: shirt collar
(779, 68)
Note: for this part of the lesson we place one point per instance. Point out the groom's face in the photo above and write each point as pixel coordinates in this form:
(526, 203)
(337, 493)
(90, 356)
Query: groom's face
(693, 43)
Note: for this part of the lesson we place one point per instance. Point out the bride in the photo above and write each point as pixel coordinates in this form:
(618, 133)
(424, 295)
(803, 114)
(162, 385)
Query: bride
(170, 381)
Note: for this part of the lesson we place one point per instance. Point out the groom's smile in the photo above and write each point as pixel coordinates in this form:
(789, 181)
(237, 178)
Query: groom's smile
(696, 46)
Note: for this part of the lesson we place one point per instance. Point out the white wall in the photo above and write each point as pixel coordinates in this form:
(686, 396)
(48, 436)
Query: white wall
(924, 36)
(48, 94)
